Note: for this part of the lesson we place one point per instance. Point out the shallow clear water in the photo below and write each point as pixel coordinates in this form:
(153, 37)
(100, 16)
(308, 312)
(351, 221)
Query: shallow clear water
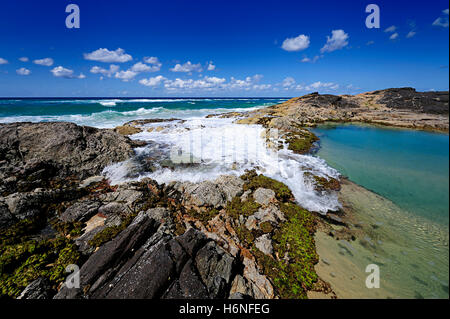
(411, 168)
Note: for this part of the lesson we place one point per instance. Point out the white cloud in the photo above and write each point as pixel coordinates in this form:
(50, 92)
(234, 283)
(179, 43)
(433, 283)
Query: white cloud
(61, 72)
(391, 29)
(308, 60)
(443, 20)
(106, 72)
(411, 34)
(23, 71)
(211, 66)
(262, 86)
(298, 43)
(152, 82)
(338, 40)
(154, 62)
(206, 82)
(320, 85)
(394, 36)
(141, 67)
(24, 59)
(187, 67)
(3, 61)
(45, 61)
(370, 42)
(126, 75)
(104, 55)
(288, 82)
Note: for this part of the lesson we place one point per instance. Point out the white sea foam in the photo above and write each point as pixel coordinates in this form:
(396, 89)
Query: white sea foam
(221, 147)
(112, 118)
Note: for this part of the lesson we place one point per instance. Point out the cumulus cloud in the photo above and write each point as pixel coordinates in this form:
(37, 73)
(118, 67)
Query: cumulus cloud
(393, 36)
(44, 62)
(3, 61)
(23, 71)
(411, 34)
(152, 82)
(288, 82)
(107, 56)
(187, 67)
(208, 83)
(391, 29)
(125, 75)
(61, 72)
(105, 72)
(211, 66)
(141, 67)
(319, 85)
(442, 21)
(24, 59)
(298, 43)
(155, 65)
(337, 41)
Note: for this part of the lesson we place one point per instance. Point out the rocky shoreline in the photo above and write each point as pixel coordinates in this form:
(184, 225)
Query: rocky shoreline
(398, 107)
(234, 237)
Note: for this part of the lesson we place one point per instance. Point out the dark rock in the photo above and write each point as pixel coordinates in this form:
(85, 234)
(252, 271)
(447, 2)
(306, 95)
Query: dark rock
(191, 240)
(43, 148)
(188, 285)
(37, 289)
(6, 218)
(80, 211)
(215, 267)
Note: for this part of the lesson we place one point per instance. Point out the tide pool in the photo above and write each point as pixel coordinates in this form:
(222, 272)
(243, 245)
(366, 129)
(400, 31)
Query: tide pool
(410, 168)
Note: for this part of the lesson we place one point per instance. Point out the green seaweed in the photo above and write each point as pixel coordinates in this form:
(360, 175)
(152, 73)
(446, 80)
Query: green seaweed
(24, 261)
(204, 216)
(292, 272)
(245, 208)
(301, 142)
(323, 183)
(254, 181)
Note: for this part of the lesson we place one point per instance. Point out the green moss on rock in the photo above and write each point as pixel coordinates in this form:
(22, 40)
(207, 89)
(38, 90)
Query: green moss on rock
(254, 181)
(292, 272)
(203, 216)
(301, 142)
(237, 208)
(323, 183)
(25, 261)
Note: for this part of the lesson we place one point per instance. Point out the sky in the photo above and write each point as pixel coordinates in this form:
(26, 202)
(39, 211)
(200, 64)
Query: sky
(220, 48)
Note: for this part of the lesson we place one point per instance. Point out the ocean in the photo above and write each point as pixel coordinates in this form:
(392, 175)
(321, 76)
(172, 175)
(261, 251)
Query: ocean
(111, 112)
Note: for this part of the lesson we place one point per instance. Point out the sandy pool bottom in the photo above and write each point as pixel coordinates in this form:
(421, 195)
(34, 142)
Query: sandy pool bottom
(412, 252)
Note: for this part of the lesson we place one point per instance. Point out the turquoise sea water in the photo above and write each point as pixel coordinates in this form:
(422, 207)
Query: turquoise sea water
(116, 111)
(411, 168)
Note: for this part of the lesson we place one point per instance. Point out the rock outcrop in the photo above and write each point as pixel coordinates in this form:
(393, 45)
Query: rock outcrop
(32, 154)
(401, 107)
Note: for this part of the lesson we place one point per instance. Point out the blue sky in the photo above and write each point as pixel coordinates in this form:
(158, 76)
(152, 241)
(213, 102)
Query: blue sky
(221, 48)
